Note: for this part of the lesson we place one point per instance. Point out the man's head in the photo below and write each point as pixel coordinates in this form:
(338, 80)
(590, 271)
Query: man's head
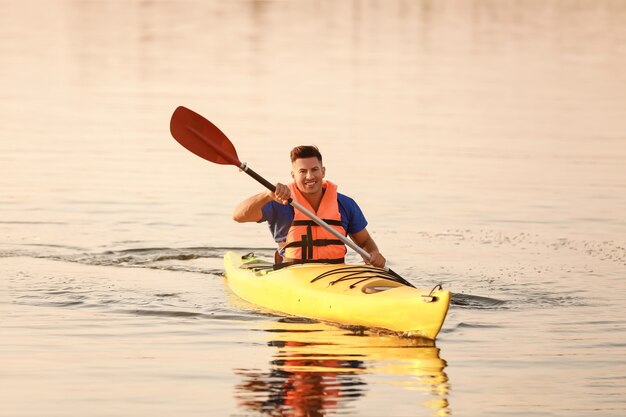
(306, 169)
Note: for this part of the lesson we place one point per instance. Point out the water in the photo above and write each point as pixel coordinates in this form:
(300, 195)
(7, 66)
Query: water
(484, 141)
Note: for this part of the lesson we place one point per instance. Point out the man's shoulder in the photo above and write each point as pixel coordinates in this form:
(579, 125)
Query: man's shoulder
(347, 203)
(353, 215)
(344, 199)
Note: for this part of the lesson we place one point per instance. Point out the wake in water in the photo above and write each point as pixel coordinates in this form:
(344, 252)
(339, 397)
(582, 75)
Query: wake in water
(476, 301)
(526, 275)
(205, 260)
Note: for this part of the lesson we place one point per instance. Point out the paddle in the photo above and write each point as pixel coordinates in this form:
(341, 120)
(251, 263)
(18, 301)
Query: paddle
(207, 141)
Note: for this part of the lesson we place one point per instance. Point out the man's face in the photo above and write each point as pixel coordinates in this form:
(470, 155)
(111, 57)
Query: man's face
(308, 174)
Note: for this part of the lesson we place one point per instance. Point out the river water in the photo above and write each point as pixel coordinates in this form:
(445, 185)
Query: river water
(484, 140)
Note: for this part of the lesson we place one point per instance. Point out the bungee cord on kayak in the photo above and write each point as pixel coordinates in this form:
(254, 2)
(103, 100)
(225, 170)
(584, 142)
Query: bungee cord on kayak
(357, 272)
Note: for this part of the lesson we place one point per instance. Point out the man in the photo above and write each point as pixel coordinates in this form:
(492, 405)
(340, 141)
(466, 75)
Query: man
(299, 238)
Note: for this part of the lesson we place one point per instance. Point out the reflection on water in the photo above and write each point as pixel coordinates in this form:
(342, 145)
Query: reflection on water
(300, 385)
(318, 368)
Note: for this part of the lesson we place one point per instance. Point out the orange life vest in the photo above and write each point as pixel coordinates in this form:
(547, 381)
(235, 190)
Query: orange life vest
(308, 241)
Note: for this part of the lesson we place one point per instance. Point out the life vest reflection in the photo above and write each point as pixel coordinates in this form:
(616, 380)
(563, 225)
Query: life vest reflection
(319, 369)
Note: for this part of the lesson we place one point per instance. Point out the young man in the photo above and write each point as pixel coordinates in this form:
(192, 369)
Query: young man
(299, 238)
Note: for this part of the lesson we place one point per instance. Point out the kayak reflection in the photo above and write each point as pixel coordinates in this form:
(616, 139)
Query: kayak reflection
(318, 369)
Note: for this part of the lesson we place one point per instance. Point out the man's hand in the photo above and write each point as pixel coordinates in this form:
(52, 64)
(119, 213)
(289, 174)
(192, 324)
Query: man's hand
(376, 259)
(282, 194)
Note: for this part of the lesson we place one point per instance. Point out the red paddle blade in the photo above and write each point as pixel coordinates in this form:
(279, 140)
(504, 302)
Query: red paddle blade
(202, 137)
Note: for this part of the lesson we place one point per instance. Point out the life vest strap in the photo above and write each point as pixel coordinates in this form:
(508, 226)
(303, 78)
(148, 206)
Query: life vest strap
(307, 245)
(316, 242)
(312, 223)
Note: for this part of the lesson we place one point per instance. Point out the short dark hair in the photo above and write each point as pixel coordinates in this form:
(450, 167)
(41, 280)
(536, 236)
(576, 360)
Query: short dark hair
(305, 151)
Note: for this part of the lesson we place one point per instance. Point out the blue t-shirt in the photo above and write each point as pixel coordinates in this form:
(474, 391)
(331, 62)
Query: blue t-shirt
(280, 217)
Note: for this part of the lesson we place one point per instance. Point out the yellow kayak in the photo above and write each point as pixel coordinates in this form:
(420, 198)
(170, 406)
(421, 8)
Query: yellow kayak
(346, 294)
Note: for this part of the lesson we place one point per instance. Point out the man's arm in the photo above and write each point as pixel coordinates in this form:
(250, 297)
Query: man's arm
(250, 209)
(365, 241)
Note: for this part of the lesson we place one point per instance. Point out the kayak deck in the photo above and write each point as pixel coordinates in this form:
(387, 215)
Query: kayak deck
(347, 294)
